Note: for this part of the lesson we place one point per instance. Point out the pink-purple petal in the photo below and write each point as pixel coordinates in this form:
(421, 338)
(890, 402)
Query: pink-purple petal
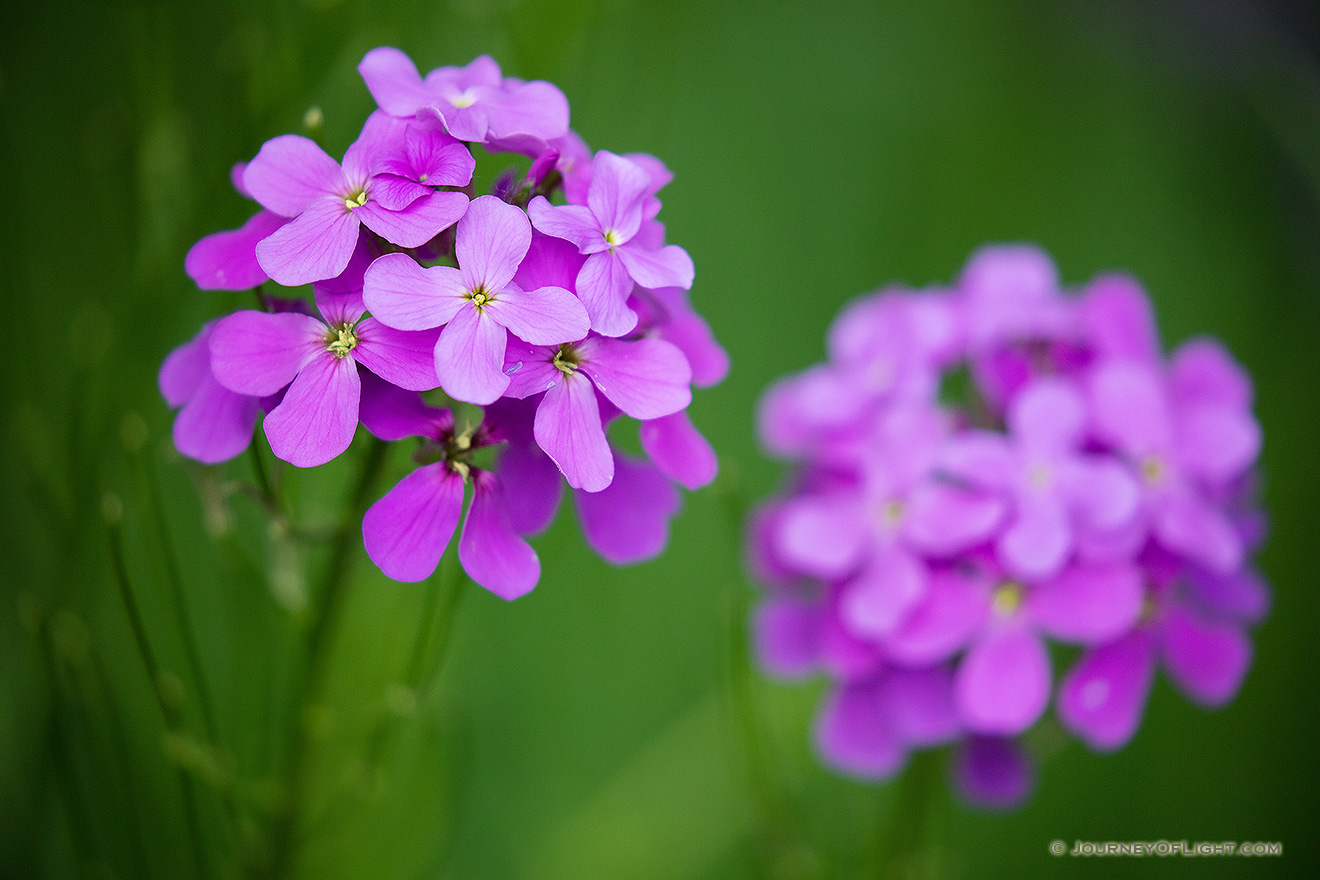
(406, 296)
(417, 223)
(215, 424)
(290, 173)
(573, 223)
(534, 487)
(569, 430)
(259, 353)
(679, 450)
(1090, 604)
(403, 357)
(228, 260)
(615, 195)
(646, 378)
(318, 416)
(406, 532)
(315, 246)
(492, 553)
(493, 237)
(1003, 684)
(628, 520)
(469, 358)
(1206, 659)
(786, 635)
(393, 81)
(603, 285)
(546, 316)
(855, 732)
(670, 266)
(1102, 698)
(884, 593)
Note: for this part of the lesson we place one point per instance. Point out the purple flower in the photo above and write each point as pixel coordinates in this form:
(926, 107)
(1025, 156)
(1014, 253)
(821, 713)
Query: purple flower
(478, 302)
(645, 378)
(258, 353)
(628, 520)
(1056, 489)
(293, 177)
(406, 532)
(993, 773)
(474, 103)
(605, 229)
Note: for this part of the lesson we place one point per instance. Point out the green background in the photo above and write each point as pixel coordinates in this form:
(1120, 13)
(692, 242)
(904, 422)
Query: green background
(597, 727)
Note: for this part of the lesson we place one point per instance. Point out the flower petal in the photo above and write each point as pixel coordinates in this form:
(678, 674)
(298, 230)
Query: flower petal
(1207, 660)
(1003, 684)
(855, 732)
(186, 367)
(993, 773)
(884, 592)
(417, 223)
(668, 267)
(469, 358)
(492, 553)
(393, 81)
(546, 316)
(215, 424)
(406, 532)
(228, 260)
(786, 634)
(392, 413)
(646, 378)
(1102, 698)
(259, 353)
(573, 223)
(314, 247)
(615, 195)
(1091, 604)
(493, 237)
(534, 487)
(952, 611)
(628, 520)
(679, 450)
(289, 173)
(569, 429)
(406, 296)
(318, 416)
(603, 285)
(404, 357)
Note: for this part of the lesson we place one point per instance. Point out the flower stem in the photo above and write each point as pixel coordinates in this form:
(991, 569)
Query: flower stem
(906, 845)
(325, 608)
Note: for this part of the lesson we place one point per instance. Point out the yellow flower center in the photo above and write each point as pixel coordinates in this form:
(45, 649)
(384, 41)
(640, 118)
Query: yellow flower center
(1152, 470)
(1007, 598)
(356, 200)
(566, 359)
(340, 340)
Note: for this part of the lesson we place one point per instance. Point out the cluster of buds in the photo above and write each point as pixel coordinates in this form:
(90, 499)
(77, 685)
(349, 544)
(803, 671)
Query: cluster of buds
(553, 319)
(983, 471)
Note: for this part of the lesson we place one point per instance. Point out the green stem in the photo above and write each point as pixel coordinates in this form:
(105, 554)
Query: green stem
(326, 608)
(906, 845)
(156, 676)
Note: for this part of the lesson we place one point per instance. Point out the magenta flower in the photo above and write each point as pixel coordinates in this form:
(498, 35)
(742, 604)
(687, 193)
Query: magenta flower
(475, 103)
(293, 177)
(478, 302)
(605, 229)
(406, 532)
(258, 353)
(645, 378)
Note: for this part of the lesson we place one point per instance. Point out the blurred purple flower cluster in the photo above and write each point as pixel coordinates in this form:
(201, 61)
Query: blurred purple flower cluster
(556, 319)
(984, 470)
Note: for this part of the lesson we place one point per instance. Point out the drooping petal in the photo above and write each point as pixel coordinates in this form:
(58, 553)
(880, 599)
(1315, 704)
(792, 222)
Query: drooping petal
(628, 520)
(393, 81)
(318, 416)
(534, 488)
(404, 357)
(921, 703)
(1102, 698)
(1091, 604)
(228, 260)
(668, 267)
(573, 223)
(406, 296)
(615, 195)
(603, 285)
(215, 424)
(993, 773)
(882, 595)
(469, 358)
(493, 237)
(786, 635)
(1003, 684)
(646, 378)
(316, 246)
(259, 353)
(1206, 659)
(186, 367)
(406, 532)
(492, 553)
(855, 732)
(569, 430)
(538, 109)
(417, 223)
(546, 316)
(290, 173)
(679, 450)
(693, 336)
(1188, 523)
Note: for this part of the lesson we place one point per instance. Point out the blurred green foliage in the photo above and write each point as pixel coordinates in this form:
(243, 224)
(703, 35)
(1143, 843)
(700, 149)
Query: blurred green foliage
(597, 728)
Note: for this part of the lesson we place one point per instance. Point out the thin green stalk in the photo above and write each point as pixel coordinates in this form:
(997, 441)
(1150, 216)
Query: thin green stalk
(905, 845)
(156, 677)
(326, 607)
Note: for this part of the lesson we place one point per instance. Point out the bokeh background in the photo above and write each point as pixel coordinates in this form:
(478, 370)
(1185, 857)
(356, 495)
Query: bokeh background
(598, 728)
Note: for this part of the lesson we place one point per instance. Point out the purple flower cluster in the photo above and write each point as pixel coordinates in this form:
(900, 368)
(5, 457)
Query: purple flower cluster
(556, 319)
(987, 469)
